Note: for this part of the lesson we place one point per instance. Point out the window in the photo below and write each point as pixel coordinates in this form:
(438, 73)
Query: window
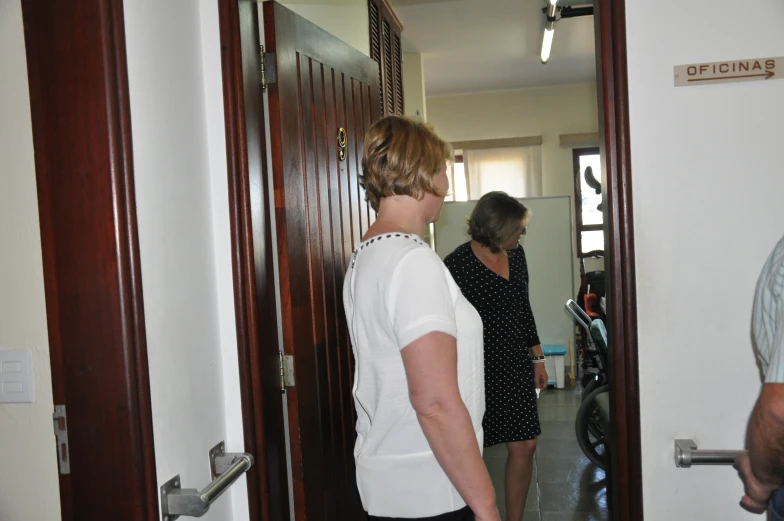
(458, 186)
(514, 170)
(479, 169)
(588, 203)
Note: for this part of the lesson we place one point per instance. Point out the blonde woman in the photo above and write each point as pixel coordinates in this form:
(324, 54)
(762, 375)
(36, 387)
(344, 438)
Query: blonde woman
(418, 383)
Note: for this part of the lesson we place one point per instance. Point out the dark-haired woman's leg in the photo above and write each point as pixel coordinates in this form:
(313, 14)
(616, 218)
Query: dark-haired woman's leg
(517, 479)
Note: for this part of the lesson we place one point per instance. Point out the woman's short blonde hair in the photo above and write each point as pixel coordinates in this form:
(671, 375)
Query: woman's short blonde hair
(401, 157)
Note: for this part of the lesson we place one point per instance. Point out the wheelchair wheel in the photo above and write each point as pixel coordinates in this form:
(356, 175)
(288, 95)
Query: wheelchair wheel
(590, 429)
(589, 387)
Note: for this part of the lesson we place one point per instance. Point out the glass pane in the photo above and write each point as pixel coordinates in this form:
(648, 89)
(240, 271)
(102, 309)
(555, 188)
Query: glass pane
(459, 190)
(592, 241)
(590, 199)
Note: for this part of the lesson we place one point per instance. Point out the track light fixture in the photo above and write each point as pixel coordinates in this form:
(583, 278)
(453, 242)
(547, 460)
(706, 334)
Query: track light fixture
(552, 10)
(549, 29)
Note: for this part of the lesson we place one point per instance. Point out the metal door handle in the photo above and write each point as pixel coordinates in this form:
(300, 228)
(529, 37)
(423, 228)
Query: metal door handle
(686, 455)
(225, 469)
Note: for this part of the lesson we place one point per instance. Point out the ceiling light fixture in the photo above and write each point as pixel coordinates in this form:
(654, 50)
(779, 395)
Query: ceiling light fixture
(549, 30)
(551, 11)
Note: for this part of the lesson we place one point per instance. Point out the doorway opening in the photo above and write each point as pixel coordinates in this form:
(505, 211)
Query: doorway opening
(254, 236)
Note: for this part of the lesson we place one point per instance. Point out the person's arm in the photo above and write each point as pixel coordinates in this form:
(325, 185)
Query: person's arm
(431, 369)
(540, 372)
(762, 467)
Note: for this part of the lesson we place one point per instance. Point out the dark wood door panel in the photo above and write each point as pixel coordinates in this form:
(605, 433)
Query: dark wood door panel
(324, 89)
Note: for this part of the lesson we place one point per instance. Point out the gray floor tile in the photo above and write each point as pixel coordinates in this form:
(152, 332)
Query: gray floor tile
(496, 451)
(552, 397)
(574, 516)
(557, 430)
(558, 413)
(530, 516)
(496, 468)
(572, 497)
(556, 448)
(567, 469)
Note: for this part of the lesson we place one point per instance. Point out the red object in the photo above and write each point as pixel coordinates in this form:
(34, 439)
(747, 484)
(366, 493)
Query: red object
(591, 301)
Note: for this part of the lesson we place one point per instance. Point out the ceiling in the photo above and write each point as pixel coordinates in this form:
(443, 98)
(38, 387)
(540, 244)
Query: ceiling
(490, 45)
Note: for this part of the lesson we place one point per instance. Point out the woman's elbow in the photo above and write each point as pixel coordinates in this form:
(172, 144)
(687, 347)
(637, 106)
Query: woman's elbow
(435, 405)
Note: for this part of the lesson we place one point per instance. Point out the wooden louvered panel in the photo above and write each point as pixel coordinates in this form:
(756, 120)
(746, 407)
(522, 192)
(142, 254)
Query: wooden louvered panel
(375, 36)
(389, 81)
(398, 68)
(386, 50)
(374, 16)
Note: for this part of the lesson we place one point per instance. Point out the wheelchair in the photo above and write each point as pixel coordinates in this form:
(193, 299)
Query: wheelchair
(593, 417)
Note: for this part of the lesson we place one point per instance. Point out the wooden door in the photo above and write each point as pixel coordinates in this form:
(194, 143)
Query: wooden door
(326, 95)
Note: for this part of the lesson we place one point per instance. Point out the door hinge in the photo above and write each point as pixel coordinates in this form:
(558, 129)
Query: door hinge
(267, 68)
(61, 434)
(286, 364)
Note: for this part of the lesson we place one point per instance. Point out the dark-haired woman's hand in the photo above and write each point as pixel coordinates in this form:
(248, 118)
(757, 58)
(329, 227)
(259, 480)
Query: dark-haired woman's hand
(540, 377)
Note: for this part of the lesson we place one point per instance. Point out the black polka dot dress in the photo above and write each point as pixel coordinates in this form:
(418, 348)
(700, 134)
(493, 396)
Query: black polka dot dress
(509, 330)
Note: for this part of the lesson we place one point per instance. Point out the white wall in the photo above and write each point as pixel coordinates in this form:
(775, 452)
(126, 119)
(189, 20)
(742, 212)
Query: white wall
(29, 481)
(546, 112)
(345, 19)
(181, 191)
(414, 98)
(708, 183)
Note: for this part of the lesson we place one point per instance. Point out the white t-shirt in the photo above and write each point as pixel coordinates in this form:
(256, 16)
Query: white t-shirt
(396, 291)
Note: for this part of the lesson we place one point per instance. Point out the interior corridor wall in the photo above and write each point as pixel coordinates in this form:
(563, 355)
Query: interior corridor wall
(345, 19)
(546, 112)
(29, 482)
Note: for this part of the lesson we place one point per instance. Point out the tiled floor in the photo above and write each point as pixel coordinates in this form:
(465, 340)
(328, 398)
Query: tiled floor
(565, 486)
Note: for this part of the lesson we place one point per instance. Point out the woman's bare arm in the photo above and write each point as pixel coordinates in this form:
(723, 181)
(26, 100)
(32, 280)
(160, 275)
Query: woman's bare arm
(431, 369)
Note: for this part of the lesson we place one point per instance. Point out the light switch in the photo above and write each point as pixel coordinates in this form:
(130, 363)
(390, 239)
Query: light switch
(16, 376)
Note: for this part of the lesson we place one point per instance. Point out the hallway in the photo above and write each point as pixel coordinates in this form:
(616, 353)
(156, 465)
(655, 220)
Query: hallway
(565, 486)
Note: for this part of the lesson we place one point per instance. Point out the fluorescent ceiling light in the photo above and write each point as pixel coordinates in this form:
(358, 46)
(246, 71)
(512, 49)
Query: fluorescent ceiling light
(547, 42)
(549, 30)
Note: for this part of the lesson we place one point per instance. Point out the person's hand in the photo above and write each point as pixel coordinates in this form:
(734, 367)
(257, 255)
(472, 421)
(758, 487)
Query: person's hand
(540, 377)
(757, 493)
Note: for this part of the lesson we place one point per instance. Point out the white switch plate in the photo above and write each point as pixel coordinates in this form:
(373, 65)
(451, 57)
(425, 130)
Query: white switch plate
(16, 376)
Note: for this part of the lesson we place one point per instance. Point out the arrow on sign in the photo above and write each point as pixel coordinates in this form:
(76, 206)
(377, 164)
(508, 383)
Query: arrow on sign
(768, 75)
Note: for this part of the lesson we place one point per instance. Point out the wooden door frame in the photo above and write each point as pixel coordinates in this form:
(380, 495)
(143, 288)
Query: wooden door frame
(241, 32)
(79, 103)
(255, 303)
(613, 94)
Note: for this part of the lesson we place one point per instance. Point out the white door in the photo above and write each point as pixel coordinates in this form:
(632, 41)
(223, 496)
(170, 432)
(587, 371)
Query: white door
(708, 186)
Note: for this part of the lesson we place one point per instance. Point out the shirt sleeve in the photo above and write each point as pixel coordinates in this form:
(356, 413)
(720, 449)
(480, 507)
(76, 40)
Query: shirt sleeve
(774, 312)
(419, 300)
(768, 317)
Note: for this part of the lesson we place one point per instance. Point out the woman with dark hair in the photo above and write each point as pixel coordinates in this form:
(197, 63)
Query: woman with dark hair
(492, 274)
